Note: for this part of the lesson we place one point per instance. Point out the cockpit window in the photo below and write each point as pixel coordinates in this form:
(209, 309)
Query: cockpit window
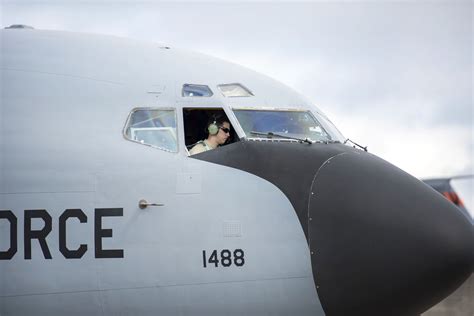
(271, 123)
(153, 127)
(195, 90)
(234, 90)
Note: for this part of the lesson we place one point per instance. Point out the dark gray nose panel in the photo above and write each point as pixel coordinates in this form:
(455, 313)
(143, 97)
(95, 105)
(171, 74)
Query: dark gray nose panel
(382, 242)
(289, 166)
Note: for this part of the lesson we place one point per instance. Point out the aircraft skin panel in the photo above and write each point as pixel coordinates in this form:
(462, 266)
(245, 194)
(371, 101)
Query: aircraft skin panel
(136, 64)
(253, 297)
(80, 303)
(28, 181)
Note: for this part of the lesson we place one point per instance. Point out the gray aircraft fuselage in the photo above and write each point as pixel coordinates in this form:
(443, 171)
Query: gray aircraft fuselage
(261, 226)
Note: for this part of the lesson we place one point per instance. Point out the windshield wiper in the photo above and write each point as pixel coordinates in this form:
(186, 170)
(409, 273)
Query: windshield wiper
(360, 146)
(271, 134)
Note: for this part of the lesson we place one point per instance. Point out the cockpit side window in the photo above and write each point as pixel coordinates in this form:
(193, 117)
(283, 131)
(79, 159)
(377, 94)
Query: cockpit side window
(153, 127)
(196, 125)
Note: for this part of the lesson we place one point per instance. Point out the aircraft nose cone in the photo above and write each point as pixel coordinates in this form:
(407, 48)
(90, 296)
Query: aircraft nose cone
(381, 241)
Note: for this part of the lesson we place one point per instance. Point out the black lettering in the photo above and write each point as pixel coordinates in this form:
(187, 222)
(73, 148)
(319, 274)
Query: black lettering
(37, 234)
(204, 260)
(226, 260)
(213, 258)
(101, 233)
(239, 259)
(9, 216)
(67, 253)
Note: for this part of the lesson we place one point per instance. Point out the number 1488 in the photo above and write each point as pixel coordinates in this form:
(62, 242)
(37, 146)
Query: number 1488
(225, 258)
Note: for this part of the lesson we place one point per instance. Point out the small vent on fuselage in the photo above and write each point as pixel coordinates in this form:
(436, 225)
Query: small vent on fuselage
(232, 229)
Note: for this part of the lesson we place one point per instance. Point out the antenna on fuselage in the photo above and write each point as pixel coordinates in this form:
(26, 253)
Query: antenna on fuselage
(19, 26)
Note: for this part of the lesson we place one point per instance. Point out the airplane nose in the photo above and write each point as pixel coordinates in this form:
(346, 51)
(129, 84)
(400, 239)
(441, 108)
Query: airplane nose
(381, 241)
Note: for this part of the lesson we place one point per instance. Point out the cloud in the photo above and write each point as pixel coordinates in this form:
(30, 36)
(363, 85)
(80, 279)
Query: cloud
(419, 150)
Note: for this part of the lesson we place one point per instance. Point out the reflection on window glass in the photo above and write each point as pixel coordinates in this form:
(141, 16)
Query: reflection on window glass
(300, 124)
(330, 127)
(153, 127)
(194, 90)
(234, 90)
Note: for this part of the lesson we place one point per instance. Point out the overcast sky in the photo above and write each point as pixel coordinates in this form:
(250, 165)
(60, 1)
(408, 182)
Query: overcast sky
(396, 76)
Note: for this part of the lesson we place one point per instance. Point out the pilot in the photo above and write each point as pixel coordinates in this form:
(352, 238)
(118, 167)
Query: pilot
(218, 129)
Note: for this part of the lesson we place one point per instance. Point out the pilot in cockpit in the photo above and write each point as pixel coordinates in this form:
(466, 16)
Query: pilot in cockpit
(218, 130)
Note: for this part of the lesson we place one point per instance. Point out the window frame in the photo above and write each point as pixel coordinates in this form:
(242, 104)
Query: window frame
(168, 108)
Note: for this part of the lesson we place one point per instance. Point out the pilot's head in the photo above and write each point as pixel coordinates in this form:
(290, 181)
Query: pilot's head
(218, 128)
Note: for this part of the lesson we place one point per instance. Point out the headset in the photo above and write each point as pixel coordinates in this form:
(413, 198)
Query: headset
(213, 129)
